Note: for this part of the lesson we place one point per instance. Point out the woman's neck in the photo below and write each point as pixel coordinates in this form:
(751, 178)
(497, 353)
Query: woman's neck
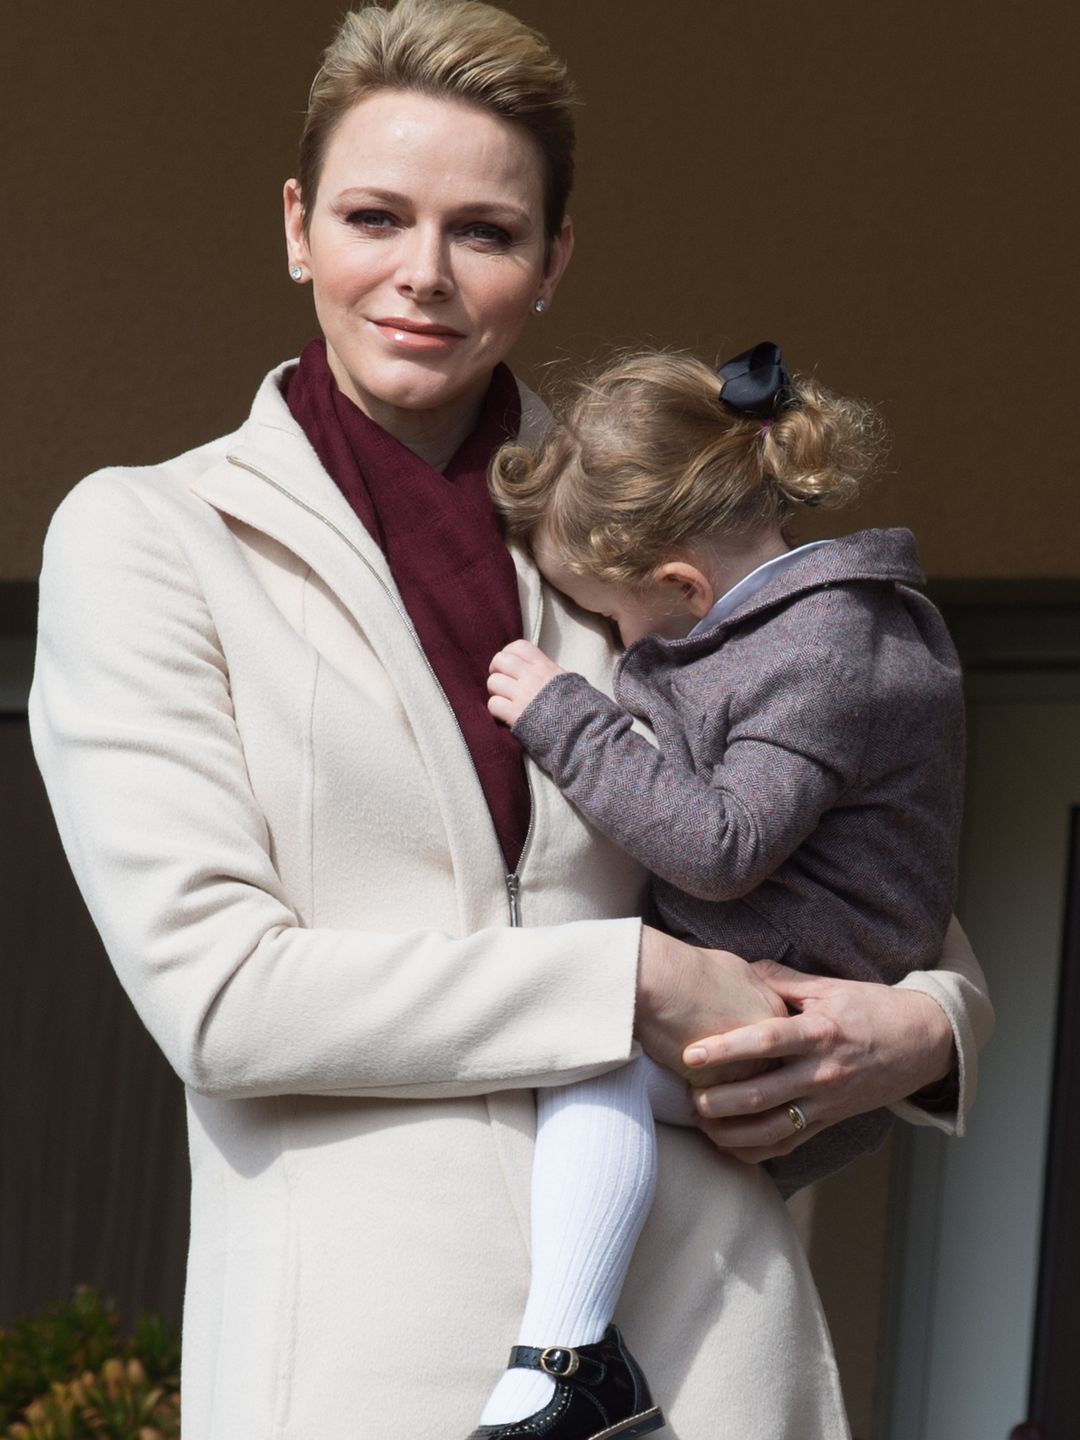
(435, 434)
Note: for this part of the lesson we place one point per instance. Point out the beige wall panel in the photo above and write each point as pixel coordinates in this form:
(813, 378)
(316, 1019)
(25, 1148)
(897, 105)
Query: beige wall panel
(881, 188)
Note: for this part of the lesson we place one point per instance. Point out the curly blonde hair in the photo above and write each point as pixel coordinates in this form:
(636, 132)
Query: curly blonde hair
(644, 461)
(454, 49)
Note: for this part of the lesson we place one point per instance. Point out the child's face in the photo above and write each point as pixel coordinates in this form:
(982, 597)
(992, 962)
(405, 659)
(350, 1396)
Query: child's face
(654, 609)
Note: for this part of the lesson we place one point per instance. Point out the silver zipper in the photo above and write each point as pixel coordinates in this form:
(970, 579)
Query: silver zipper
(513, 891)
(513, 881)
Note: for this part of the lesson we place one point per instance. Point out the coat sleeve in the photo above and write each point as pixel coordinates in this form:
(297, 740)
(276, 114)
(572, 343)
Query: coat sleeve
(717, 835)
(133, 728)
(959, 986)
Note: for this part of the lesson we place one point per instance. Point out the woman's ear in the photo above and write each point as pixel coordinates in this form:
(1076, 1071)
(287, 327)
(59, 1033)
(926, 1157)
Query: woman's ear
(295, 238)
(692, 585)
(559, 252)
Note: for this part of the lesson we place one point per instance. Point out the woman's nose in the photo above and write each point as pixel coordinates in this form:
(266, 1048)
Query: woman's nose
(424, 271)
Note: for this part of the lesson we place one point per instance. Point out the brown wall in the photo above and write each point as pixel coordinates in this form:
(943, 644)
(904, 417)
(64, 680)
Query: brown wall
(882, 188)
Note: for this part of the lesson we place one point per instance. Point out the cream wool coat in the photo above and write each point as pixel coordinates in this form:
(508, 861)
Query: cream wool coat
(279, 833)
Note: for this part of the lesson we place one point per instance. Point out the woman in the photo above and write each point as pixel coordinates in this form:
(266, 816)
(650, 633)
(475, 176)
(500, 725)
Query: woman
(359, 939)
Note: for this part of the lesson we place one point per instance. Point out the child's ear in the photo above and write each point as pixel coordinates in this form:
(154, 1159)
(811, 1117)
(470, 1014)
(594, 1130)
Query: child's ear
(691, 585)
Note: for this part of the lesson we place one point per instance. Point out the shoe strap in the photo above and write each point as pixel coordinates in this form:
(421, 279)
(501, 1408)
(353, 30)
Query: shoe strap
(561, 1362)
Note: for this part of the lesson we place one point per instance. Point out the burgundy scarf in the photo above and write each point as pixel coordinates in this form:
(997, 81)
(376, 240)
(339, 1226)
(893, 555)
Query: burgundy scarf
(444, 544)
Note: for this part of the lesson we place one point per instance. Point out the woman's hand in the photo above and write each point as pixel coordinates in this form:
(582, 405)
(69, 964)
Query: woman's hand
(517, 675)
(850, 1047)
(685, 991)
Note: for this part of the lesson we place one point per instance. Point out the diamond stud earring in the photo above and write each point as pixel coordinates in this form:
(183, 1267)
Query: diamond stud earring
(540, 306)
(296, 271)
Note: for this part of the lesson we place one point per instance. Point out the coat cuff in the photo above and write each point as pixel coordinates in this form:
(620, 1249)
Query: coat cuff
(945, 1104)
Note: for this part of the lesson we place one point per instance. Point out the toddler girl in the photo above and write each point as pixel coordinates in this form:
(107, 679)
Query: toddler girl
(802, 800)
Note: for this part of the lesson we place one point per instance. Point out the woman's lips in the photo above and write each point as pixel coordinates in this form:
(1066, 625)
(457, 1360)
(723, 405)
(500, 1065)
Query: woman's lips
(414, 335)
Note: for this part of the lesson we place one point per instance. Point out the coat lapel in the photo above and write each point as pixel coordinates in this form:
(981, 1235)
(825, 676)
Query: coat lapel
(271, 480)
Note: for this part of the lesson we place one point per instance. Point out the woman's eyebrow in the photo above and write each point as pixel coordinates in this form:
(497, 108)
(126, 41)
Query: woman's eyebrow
(370, 195)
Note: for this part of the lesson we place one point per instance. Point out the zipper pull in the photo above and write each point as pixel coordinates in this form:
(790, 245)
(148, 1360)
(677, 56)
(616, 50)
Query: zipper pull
(513, 892)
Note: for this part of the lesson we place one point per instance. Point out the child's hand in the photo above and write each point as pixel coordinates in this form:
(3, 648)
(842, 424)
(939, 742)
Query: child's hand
(518, 674)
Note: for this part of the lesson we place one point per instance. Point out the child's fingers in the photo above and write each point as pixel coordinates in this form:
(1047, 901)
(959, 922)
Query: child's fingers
(507, 698)
(502, 709)
(519, 655)
(500, 684)
(509, 661)
(516, 675)
(501, 663)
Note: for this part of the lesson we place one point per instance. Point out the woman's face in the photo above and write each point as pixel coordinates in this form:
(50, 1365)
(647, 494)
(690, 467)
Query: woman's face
(426, 249)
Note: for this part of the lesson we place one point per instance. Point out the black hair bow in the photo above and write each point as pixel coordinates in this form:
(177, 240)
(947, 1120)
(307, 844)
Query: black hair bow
(757, 382)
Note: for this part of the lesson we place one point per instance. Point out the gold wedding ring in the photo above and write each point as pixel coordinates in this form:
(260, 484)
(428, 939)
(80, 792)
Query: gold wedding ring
(797, 1116)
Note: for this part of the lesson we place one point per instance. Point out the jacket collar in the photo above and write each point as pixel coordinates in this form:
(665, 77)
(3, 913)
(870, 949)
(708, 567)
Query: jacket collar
(887, 556)
(750, 584)
(884, 556)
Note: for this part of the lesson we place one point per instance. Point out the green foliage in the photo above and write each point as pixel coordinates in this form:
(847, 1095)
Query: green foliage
(62, 1341)
(156, 1346)
(66, 1374)
(118, 1403)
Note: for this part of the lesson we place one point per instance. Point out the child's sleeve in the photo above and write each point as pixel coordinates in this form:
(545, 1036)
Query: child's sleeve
(785, 761)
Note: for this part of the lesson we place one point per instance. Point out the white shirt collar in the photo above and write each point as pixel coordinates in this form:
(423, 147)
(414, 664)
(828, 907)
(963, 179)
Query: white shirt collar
(752, 583)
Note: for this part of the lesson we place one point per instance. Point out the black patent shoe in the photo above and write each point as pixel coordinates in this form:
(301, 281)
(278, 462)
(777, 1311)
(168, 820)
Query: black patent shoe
(600, 1392)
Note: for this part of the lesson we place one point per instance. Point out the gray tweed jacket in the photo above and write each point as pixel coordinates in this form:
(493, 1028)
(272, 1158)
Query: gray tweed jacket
(805, 799)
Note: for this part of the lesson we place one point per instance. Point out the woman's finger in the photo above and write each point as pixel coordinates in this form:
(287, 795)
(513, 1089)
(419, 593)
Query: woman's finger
(753, 1154)
(791, 985)
(683, 989)
(767, 1040)
(768, 1090)
(853, 1046)
(762, 1138)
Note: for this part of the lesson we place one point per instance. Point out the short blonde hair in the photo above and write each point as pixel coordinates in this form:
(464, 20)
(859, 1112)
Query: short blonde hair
(644, 461)
(458, 50)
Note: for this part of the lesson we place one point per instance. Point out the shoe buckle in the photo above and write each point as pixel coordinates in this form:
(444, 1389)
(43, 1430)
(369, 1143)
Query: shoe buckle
(560, 1361)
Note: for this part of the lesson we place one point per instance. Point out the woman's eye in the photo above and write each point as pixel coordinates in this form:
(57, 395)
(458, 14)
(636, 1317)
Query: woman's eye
(489, 235)
(371, 219)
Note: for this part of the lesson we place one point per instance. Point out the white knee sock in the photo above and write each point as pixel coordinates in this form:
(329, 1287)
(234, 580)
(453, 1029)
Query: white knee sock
(594, 1173)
